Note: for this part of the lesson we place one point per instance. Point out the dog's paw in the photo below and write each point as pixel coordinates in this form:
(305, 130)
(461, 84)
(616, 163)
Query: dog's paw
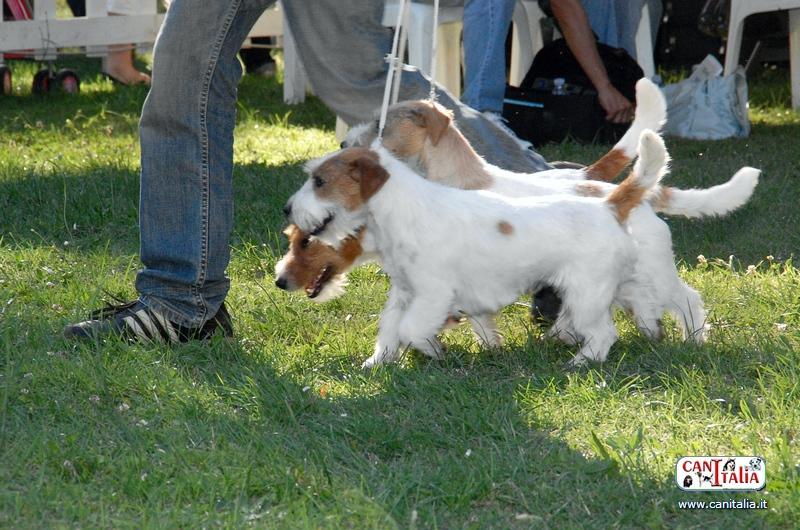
(377, 359)
(577, 363)
(371, 363)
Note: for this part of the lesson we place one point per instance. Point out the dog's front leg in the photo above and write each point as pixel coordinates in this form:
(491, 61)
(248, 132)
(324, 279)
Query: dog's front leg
(421, 322)
(388, 342)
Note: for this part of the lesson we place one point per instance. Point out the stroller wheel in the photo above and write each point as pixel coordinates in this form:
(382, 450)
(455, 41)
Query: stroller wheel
(42, 81)
(66, 81)
(6, 84)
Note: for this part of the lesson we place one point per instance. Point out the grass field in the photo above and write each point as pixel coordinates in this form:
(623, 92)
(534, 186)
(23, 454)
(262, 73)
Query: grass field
(281, 429)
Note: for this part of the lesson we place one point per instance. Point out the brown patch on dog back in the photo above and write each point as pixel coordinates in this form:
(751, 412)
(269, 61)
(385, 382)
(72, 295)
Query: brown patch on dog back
(505, 228)
(627, 196)
(589, 189)
(609, 166)
(350, 177)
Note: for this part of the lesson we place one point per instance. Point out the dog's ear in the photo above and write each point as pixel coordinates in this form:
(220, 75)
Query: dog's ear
(434, 118)
(369, 174)
(437, 120)
(290, 230)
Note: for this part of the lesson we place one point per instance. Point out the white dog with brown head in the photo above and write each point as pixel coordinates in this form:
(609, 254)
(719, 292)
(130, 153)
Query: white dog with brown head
(449, 250)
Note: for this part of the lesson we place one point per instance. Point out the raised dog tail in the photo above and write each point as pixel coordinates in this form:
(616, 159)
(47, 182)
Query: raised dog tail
(716, 200)
(647, 172)
(651, 113)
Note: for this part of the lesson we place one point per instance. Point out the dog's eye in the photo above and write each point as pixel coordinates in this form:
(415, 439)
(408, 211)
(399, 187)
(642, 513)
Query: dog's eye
(304, 243)
(318, 182)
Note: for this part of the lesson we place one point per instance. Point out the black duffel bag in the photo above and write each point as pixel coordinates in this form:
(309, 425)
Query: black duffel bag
(557, 100)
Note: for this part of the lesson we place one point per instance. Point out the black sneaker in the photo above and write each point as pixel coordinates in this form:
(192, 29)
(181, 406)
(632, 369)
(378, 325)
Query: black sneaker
(136, 322)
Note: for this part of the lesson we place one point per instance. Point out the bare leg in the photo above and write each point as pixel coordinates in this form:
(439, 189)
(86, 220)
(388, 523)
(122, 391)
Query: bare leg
(119, 65)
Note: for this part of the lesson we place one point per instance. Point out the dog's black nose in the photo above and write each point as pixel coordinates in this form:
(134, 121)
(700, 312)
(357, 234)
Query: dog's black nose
(287, 209)
(343, 145)
(280, 283)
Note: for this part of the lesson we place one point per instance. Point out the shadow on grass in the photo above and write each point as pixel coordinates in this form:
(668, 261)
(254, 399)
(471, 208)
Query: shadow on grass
(451, 444)
(96, 209)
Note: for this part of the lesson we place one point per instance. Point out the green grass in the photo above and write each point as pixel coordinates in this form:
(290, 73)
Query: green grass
(280, 428)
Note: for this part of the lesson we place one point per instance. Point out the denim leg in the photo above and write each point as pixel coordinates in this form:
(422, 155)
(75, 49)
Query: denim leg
(615, 21)
(342, 46)
(186, 130)
(486, 25)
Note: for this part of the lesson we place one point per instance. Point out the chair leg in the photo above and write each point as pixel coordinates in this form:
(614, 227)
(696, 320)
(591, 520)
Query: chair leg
(735, 30)
(341, 129)
(527, 39)
(644, 44)
(794, 55)
(294, 75)
(448, 57)
(521, 46)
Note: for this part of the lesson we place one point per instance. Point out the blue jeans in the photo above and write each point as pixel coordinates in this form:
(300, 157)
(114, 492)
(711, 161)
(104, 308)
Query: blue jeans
(486, 25)
(187, 123)
(615, 21)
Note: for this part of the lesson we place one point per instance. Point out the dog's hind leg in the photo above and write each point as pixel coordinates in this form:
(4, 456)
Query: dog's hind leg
(588, 305)
(687, 307)
(485, 328)
(598, 338)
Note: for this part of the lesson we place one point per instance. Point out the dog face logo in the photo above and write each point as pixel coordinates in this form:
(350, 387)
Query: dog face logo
(721, 473)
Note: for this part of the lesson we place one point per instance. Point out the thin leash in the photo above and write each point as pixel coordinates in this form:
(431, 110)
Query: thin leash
(392, 89)
(393, 63)
(432, 94)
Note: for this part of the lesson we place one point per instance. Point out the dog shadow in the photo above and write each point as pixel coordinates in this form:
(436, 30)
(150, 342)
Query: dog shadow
(429, 440)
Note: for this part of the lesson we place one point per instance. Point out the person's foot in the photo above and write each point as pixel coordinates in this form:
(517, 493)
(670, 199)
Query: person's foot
(118, 66)
(136, 322)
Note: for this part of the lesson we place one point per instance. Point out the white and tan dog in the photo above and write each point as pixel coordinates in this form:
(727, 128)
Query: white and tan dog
(422, 134)
(412, 131)
(449, 250)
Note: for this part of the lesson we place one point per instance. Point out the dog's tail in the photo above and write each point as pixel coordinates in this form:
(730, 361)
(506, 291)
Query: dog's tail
(651, 113)
(716, 200)
(647, 172)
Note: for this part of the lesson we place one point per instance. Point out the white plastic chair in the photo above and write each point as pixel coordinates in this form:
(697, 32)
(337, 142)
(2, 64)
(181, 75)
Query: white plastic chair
(526, 39)
(741, 9)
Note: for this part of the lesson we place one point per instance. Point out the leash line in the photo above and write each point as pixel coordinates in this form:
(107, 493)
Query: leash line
(393, 61)
(434, 30)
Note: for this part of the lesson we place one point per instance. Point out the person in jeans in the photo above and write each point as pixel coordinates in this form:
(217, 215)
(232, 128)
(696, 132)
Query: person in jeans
(486, 24)
(186, 135)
